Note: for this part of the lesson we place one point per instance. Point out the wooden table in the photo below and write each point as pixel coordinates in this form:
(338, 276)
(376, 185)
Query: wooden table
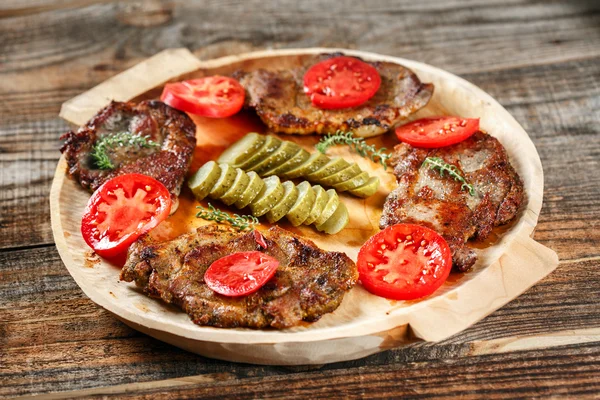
(541, 60)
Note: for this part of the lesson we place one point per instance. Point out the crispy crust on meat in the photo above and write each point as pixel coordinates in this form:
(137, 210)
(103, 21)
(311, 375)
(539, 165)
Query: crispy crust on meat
(173, 129)
(425, 197)
(281, 103)
(309, 282)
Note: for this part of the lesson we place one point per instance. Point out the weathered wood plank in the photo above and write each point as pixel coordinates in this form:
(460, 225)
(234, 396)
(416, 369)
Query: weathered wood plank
(539, 59)
(62, 346)
(571, 371)
(547, 32)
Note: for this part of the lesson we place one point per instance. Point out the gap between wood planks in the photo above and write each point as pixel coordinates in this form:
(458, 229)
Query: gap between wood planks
(478, 348)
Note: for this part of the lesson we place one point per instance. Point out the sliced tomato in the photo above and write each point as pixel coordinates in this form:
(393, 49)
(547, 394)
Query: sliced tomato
(437, 131)
(213, 96)
(404, 262)
(240, 274)
(341, 82)
(121, 210)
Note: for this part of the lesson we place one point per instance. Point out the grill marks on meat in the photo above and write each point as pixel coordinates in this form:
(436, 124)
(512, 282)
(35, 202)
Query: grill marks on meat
(424, 197)
(281, 103)
(172, 129)
(309, 282)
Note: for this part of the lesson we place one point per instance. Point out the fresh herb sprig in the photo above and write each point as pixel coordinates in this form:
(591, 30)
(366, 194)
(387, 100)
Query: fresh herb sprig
(357, 143)
(240, 222)
(121, 139)
(436, 163)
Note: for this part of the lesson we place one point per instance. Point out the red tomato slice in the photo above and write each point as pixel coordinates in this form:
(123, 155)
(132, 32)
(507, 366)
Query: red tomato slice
(212, 96)
(341, 82)
(240, 274)
(437, 131)
(404, 262)
(121, 210)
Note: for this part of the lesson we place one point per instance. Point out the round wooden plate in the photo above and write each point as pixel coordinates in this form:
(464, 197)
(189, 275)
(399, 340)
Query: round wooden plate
(363, 324)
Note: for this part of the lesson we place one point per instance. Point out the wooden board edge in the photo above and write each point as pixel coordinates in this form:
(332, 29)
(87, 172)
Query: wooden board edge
(456, 322)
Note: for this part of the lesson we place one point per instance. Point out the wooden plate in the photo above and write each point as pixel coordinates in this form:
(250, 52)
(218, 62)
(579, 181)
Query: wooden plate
(363, 324)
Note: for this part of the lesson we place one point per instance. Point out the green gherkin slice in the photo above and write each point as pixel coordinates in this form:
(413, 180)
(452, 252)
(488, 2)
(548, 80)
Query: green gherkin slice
(297, 159)
(271, 144)
(255, 186)
(237, 188)
(335, 165)
(204, 179)
(242, 150)
(341, 176)
(228, 174)
(353, 183)
(271, 194)
(318, 206)
(332, 204)
(313, 163)
(286, 151)
(279, 210)
(368, 189)
(300, 211)
(338, 220)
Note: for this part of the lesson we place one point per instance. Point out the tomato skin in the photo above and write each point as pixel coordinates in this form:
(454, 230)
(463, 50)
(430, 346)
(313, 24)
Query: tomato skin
(404, 262)
(121, 210)
(341, 82)
(435, 132)
(212, 96)
(240, 274)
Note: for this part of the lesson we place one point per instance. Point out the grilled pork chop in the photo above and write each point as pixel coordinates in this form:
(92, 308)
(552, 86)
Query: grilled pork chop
(281, 103)
(173, 130)
(425, 197)
(308, 283)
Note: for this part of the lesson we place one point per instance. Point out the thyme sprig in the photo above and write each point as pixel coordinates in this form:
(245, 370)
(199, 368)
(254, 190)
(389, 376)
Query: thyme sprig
(122, 139)
(240, 222)
(436, 163)
(358, 144)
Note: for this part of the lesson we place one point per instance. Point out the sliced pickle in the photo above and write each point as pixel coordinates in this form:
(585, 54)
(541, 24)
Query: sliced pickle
(271, 144)
(237, 188)
(242, 150)
(204, 179)
(255, 186)
(300, 210)
(332, 204)
(297, 159)
(368, 189)
(279, 210)
(271, 194)
(313, 163)
(335, 165)
(338, 220)
(353, 183)
(318, 206)
(286, 151)
(347, 173)
(228, 174)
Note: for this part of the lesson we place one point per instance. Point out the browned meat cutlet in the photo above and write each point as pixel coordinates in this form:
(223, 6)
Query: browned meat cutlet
(173, 130)
(309, 282)
(424, 197)
(281, 103)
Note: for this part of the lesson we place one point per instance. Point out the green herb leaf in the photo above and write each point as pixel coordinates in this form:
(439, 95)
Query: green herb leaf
(436, 163)
(100, 150)
(358, 144)
(240, 222)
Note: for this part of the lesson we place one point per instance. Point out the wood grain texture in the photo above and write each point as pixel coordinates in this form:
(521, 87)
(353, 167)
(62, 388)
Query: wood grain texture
(540, 59)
